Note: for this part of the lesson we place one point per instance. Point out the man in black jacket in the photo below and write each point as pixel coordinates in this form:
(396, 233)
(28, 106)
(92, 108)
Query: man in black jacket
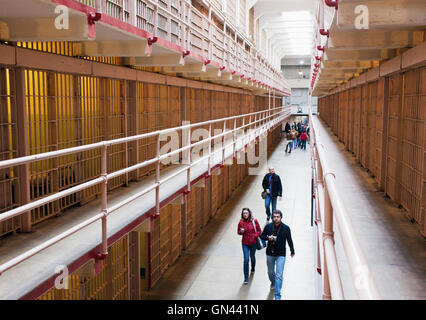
(272, 185)
(277, 234)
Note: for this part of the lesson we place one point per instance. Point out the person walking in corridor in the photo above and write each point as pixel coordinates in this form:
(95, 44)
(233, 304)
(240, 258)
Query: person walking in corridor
(272, 186)
(289, 145)
(250, 229)
(277, 234)
(303, 139)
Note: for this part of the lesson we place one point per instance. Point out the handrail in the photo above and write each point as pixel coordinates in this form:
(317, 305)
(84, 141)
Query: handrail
(263, 121)
(329, 201)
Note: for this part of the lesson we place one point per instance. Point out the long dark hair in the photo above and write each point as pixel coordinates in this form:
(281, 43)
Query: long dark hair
(246, 209)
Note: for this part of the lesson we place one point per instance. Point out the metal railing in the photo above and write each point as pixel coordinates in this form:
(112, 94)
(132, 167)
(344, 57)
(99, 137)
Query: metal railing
(257, 126)
(187, 27)
(328, 204)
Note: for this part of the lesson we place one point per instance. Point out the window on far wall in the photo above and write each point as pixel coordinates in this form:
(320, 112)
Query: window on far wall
(224, 6)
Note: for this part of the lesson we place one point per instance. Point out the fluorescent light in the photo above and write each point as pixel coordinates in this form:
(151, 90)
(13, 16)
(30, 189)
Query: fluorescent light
(301, 62)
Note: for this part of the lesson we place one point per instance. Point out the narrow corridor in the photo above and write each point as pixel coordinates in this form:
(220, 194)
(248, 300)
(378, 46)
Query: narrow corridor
(392, 245)
(212, 267)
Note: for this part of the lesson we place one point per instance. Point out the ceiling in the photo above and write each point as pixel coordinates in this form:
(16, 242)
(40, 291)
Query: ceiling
(289, 24)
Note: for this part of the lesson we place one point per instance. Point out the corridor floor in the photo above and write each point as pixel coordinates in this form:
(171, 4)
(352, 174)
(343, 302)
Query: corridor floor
(393, 246)
(212, 267)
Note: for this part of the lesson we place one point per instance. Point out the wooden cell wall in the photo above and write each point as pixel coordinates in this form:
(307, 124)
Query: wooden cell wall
(111, 282)
(165, 241)
(383, 124)
(351, 119)
(9, 184)
(371, 120)
(380, 100)
(413, 118)
(393, 155)
(357, 121)
(365, 138)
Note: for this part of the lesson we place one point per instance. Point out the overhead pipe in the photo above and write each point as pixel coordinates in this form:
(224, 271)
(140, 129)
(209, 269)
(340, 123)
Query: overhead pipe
(92, 17)
(185, 53)
(332, 3)
(322, 31)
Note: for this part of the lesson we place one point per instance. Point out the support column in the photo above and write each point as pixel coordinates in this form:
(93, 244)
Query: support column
(23, 146)
(78, 125)
(133, 123)
(124, 107)
(385, 133)
(53, 139)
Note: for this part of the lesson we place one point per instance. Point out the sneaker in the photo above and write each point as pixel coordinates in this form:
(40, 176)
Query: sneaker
(245, 281)
(272, 287)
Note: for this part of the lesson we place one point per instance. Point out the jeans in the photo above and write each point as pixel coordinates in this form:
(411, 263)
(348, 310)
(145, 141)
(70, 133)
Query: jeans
(303, 144)
(268, 200)
(275, 273)
(295, 143)
(289, 145)
(249, 252)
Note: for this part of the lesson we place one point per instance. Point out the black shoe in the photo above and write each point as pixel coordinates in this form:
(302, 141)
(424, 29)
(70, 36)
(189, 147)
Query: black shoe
(252, 270)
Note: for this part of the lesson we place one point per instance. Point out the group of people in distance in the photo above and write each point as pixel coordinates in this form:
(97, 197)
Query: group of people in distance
(297, 135)
(276, 233)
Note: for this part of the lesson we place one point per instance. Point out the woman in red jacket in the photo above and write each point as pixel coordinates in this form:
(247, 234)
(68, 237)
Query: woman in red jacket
(303, 138)
(250, 234)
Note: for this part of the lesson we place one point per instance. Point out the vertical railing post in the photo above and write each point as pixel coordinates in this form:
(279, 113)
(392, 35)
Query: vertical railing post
(244, 134)
(327, 234)
(104, 190)
(188, 157)
(155, 31)
(132, 11)
(223, 143)
(234, 138)
(249, 132)
(255, 127)
(269, 100)
(157, 178)
(210, 149)
(210, 53)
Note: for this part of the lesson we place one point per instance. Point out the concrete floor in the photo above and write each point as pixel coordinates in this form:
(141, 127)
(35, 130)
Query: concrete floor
(212, 267)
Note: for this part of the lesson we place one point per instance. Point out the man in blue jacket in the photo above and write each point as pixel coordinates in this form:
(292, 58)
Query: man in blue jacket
(272, 185)
(277, 234)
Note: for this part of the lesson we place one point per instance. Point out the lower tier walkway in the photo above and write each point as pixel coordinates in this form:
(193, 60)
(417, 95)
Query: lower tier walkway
(212, 267)
(393, 246)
